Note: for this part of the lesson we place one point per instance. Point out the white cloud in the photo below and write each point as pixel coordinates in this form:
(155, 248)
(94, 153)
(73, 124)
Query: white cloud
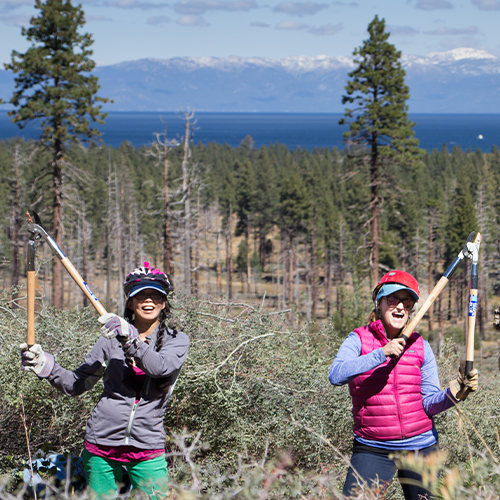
(434, 4)
(258, 24)
(471, 30)
(487, 4)
(346, 4)
(191, 21)
(134, 4)
(201, 6)
(291, 25)
(459, 43)
(300, 8)
(16, 20)
(155, 21)
(327, 29)
(402, 30)
(6, 5)
(98, 19)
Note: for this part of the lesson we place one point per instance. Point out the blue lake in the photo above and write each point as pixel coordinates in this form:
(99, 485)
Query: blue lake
(307, 130)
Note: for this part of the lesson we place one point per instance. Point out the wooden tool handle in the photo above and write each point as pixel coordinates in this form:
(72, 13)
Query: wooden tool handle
(469, 355)
(31, 289)
(412, 325)
(83, 286)
(30, 338)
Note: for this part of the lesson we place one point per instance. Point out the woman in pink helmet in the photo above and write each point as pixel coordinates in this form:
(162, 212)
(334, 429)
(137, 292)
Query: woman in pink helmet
(395, 389)
(139, 358)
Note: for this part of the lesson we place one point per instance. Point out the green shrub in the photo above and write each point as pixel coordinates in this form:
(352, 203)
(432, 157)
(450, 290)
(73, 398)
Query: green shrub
(256, 390)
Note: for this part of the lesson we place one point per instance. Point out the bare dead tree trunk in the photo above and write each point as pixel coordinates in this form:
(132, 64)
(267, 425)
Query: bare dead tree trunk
(403, 255)
(328, 281)
(417, 251)
(15, 224)
(294, 259)
(289, 252)
(57, 225)
(229, 255)
(186, 190)
(119, 239)
(219, 270)
(441, 326)
(167, 240)
(430, 278)
(285, 262)
(249, 266)
(483, 311)
(449, 298)
(280, 283)
(341, 251)
(375, 201)
(108, 237)
(196, 276)
(207, 226)
(262, 250)
(307, 282)
(84, 251)
(314, 284)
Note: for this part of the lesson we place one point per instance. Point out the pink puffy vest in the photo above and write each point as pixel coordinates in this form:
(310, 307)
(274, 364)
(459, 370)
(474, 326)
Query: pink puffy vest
(387, 401)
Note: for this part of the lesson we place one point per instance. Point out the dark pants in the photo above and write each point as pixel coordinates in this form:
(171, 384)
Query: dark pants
(371, 463)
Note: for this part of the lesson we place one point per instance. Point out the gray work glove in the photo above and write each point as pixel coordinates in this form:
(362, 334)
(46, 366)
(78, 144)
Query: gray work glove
(115, 326)
(496, 320)
(35, 360)
(463, 385)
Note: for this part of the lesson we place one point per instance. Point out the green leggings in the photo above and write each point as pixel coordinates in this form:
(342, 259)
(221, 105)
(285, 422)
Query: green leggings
(103, 475)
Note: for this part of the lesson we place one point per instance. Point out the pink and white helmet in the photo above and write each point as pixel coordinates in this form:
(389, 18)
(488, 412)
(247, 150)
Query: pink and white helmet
(144, 278)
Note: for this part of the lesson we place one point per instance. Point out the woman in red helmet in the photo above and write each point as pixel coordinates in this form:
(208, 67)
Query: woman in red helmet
(394, 388)
(140, 359)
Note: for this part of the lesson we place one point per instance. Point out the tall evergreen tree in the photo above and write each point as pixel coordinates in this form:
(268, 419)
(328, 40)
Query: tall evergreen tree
(53, 84)
(245, 196)
(379, 123)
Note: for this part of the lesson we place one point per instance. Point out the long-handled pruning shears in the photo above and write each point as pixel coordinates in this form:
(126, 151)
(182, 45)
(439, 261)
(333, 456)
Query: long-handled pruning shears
(37, 232)
(469, 355)
(471, 246)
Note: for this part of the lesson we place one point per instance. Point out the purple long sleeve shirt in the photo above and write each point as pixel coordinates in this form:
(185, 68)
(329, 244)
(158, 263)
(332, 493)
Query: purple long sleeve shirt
(349, 363)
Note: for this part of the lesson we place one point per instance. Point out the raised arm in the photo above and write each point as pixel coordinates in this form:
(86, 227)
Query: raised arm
(349, 363)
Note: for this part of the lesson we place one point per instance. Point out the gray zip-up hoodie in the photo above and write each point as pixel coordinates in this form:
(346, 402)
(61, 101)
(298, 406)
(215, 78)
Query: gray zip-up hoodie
(117, 420)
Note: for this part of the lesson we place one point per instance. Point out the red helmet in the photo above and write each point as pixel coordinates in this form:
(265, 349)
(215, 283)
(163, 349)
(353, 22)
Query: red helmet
(400, 278)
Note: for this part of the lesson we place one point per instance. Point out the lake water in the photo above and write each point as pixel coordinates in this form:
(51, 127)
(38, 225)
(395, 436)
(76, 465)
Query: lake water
(292, 129)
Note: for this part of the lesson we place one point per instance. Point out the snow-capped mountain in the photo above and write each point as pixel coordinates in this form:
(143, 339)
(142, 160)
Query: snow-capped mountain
(457, 81)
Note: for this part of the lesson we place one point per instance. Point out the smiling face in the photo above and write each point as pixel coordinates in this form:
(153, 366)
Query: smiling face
(146, 306)
(394, 317)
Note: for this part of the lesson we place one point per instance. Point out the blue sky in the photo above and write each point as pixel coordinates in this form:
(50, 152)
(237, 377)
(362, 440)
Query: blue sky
(133, 29)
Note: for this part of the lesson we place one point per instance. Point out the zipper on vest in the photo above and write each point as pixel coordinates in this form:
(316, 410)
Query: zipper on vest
(130, 420)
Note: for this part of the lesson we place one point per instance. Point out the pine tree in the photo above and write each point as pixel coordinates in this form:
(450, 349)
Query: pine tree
(245, 196)
(53, 84)
(379, 123)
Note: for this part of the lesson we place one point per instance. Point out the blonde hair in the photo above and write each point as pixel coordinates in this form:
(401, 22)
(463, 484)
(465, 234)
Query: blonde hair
(373, 316)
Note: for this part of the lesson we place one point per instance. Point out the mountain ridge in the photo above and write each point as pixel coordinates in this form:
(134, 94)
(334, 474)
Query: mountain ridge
(462, 80)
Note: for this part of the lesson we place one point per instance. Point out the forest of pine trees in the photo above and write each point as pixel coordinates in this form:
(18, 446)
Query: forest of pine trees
(246, 221)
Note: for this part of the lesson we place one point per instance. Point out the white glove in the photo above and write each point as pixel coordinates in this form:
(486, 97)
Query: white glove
(35, 360)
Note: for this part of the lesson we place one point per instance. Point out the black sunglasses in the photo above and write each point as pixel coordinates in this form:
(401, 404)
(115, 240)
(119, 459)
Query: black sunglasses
(393, 301)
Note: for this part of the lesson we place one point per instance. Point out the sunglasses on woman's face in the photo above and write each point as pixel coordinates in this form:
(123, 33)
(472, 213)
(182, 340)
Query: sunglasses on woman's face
(393, 301)
(155, 296)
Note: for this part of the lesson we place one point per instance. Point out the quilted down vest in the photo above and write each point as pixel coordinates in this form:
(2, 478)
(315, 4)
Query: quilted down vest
(387, 401)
